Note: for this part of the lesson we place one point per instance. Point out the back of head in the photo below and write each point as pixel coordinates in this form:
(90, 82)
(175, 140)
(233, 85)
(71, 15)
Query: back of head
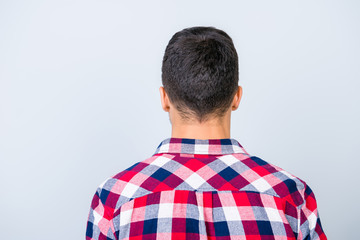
(200, 72)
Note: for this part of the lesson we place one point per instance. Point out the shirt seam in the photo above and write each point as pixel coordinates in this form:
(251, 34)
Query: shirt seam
(203, 153)
(232, 191)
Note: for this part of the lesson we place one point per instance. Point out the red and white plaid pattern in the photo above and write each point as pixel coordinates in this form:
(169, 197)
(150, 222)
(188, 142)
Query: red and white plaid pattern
(203, 189)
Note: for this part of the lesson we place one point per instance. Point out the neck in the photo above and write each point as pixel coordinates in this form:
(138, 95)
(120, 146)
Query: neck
(212, 129)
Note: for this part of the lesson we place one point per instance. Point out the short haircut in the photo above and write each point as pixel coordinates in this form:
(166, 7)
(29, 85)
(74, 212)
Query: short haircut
(200, 72)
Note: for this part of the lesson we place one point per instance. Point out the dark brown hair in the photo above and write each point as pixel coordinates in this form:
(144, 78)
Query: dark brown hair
(200, 72)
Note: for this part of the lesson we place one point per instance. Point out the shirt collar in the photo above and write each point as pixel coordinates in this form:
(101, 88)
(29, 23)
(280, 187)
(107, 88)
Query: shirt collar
(200, 146)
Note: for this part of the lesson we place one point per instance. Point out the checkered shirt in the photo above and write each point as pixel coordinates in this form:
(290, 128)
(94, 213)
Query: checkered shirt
(203, 189)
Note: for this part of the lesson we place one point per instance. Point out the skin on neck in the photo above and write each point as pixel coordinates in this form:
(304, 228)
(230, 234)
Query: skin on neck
(213, 128)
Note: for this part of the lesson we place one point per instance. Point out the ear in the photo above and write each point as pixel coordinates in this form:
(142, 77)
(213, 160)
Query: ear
(164, 99)
(237, 98)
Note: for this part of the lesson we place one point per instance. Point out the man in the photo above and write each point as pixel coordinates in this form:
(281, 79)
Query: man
(200, 183)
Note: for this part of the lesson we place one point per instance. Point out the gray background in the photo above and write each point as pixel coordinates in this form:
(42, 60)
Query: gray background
(79, 100)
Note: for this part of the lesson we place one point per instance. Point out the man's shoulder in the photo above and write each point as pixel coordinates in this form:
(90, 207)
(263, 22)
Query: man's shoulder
(129, 183)
(285, 184)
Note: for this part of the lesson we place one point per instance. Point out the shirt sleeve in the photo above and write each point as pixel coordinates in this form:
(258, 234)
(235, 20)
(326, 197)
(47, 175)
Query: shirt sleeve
(100, 220)
(310, 225)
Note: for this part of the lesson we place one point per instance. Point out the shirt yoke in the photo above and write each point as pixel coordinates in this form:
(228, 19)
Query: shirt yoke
(198, 172)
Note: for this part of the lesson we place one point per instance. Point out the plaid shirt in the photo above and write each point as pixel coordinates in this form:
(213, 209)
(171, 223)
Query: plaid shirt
(203, 189)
